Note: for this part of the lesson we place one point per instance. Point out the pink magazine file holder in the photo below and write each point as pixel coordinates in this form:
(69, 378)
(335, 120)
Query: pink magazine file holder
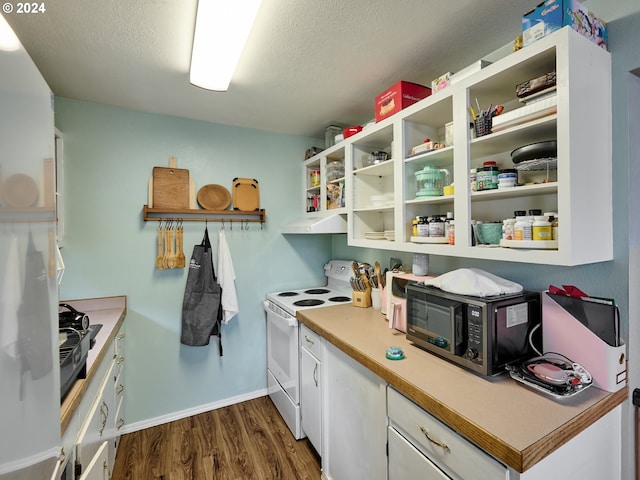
(563, 333)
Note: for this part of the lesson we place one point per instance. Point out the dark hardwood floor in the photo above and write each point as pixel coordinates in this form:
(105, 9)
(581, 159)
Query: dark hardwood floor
(248, 440)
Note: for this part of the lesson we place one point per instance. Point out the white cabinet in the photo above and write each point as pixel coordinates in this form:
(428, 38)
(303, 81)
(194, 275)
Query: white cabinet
(96, 429)
(354, 419)
(442, 448)
(99, 424)
(119, 390)
(311, 386)
(579, 189)
(98, 468)
(324, 181)
(406, 462)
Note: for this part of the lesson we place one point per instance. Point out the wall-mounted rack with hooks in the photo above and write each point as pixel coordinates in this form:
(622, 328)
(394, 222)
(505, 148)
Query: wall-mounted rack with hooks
(201, 215)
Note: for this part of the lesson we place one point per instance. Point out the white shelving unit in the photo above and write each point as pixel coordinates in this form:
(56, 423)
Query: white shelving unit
(581, 194)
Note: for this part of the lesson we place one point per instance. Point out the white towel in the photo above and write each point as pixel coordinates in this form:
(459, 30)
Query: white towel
(475, 282)
(226, 279)
(11, 299)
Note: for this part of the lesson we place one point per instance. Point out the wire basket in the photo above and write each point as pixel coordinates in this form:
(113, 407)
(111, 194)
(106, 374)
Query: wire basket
(483, 125)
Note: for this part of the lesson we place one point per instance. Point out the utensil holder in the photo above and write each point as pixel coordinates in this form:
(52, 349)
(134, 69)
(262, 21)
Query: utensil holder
(483, 126)
(361, 299)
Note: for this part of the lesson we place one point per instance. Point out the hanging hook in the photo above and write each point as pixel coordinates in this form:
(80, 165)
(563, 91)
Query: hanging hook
(222, 228)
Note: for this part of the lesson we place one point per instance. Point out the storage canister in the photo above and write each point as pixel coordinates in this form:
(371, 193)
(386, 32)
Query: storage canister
(473, 184)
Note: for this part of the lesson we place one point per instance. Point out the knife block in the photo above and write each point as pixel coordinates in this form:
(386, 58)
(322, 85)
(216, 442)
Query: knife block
(361, 299)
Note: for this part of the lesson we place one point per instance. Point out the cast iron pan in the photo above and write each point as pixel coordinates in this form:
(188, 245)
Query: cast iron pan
(534, 151)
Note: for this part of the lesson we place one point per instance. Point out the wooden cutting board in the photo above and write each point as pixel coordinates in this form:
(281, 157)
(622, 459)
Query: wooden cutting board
(246, 194)
(170, 187)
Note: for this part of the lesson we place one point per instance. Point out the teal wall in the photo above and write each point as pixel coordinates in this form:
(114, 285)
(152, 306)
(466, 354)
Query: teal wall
(109, 249)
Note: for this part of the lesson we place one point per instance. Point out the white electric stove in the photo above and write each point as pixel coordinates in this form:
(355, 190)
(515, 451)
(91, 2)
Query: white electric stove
(283, 371)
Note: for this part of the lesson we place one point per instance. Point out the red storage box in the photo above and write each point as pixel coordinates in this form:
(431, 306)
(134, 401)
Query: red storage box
(398, 97)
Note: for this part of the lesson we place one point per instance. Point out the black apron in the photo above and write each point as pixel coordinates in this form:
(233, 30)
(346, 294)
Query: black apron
(34, 323)
(201, 307)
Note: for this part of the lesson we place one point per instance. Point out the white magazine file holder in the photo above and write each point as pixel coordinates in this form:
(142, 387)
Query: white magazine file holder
(563, 333)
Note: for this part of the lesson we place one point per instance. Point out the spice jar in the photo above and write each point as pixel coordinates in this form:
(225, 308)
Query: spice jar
(423, 227)
(315, 178)
(436, 227)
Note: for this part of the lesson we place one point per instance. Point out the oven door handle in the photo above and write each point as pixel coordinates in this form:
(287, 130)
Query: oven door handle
(280, 314)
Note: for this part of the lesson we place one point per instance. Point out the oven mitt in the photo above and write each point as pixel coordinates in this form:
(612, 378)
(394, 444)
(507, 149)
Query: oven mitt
(474, 282)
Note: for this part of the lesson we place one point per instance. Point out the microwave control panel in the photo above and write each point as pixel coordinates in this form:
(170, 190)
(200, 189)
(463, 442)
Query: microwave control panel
(474, 350)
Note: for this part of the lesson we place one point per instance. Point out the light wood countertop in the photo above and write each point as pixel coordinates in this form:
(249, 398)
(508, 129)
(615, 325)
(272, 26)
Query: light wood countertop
(110, 312)
(516, 425)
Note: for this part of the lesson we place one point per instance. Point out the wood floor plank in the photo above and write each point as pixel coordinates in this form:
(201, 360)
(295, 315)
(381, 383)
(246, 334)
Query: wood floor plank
(248, 440)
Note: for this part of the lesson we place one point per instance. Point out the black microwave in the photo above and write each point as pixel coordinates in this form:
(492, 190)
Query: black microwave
(482, 334)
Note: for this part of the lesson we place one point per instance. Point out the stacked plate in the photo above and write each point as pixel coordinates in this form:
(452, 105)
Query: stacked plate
(383, 200)
(390, 235)
(374, 235)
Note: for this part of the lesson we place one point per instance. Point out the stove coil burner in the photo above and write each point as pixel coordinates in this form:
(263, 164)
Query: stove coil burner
(308, 302)
(316, 291)
(340, 299)
(288, 294)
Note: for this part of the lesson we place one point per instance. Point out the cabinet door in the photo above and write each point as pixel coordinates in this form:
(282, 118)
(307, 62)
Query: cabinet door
(98, 425)
(310, 398)
(407, 463)
(98, 467)
(354, 419)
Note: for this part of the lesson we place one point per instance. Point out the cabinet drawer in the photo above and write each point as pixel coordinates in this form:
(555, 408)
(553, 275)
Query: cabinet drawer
(439, 443)
(408, 463)
(311, 341)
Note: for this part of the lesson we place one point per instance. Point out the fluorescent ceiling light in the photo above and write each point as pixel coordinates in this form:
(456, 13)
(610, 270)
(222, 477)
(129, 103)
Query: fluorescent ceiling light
(8, 40)
(222, 28)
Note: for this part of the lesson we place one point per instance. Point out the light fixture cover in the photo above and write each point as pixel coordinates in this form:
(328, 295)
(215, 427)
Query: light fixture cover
(8, 40)
(221, 31)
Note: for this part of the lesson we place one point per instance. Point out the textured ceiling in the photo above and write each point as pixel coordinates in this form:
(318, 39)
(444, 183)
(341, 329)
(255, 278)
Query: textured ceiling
(306, 65)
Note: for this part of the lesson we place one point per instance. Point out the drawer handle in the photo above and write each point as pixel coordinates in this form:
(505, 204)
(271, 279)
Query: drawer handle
(62, 457)
(315, 374)
(309, 340)
(119, 389)
(120, 423)
(442, 445)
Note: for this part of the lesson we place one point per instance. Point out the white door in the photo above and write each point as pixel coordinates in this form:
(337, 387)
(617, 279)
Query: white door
(310, 398)
(354, 419)
(282, 351)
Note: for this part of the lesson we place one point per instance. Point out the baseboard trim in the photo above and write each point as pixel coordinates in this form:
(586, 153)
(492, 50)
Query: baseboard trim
(154, 422)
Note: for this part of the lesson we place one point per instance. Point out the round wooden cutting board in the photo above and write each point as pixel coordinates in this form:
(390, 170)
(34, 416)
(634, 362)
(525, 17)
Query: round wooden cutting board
(214, 197)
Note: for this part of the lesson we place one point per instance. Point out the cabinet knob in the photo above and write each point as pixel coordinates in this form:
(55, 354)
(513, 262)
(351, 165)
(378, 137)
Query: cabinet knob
(121, 335)
(120, 359)
(120, 423)
(119, 389)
